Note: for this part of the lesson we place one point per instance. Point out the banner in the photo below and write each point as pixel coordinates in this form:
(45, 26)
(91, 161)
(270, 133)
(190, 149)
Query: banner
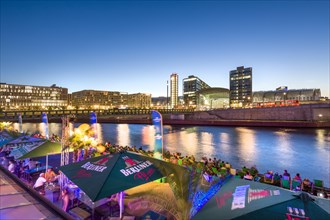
(157, 121)
(45, 121)
(20, 123)
(93, 121)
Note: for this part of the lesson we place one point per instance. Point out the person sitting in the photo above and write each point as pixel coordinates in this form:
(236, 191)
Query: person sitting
(306, 185)
(248, 176)
(50, 175)
(297, 178)
(11, 166)
(286, 174)
(40, 183)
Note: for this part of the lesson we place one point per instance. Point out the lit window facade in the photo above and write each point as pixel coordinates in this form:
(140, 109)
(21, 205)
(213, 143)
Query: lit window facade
(191, 85)
(95, 99)
(139, 100)
(174, 89)
(240, 81)
(26, 97)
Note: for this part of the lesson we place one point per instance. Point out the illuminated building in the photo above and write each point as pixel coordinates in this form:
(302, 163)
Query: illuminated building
(191, 85)
(139, 100)
(174, 88)
(26, 97)
(212, 98)
(285, 96)
(95, 99)
(240, 81)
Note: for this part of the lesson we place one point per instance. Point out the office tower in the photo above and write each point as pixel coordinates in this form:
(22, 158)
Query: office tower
(27, 97)
(174, 90)
(240, 81)
(191, 85)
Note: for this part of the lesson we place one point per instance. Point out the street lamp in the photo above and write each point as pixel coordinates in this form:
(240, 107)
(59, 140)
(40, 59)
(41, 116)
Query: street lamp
(284, 97)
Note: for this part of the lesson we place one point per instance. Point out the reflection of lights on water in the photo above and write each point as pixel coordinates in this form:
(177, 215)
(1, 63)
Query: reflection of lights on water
(206, 140)
(190, 138)
(123, 135)
(247, 143)
(148, 134)
(320, 136)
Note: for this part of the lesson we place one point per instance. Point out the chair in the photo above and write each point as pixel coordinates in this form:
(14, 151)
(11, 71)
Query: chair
(296, 185)
(285, 184)
(268, 178)
(317, 184)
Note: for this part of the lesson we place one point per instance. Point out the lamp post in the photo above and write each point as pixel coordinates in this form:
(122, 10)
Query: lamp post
(284, 97)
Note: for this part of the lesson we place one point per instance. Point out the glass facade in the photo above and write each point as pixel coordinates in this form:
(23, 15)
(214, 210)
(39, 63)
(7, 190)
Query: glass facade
(212, 98)
(174, 89)
(191, 85)
(240, 81)
(26, 97)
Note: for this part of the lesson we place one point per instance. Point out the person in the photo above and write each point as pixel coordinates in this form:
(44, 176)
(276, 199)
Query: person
(32, 164)
(297, 178)
(40, 183)
(248, 176)
(50, 175)
(307, 185)
(11, 166)
(286, 173)
(65, 199)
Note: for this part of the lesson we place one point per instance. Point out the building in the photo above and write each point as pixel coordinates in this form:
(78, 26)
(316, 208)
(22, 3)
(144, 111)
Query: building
(139, 100)
(95, 99)
(191, 85)
(285, 96)
(27, 97)
(212, 98)
(240, 81)
(160, 102)
(174, 89)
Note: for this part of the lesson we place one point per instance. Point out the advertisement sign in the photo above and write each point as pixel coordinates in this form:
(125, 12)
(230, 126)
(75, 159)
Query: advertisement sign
(157, 121)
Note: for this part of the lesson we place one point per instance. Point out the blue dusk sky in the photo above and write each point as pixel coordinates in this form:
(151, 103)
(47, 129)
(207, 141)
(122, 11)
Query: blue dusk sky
(134, 46)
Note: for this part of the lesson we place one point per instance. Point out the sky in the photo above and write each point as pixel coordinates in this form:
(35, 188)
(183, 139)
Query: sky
(134, 46)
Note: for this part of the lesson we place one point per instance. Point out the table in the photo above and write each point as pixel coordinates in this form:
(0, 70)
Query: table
(27, 173)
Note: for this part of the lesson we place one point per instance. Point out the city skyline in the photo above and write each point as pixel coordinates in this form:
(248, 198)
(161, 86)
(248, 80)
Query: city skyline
(135, 46)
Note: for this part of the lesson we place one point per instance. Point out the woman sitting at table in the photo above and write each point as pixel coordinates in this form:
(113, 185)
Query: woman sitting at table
(50, 175)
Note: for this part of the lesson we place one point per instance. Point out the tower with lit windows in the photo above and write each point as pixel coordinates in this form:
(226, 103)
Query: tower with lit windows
(174, 88)
(240, 81)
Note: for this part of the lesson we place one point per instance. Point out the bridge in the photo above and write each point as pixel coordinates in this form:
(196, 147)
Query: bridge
(57, 114)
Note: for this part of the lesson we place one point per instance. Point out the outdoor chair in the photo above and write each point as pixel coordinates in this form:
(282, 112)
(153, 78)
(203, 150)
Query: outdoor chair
(317, 184)
(285, 184)
(296, 185)
(268, 179)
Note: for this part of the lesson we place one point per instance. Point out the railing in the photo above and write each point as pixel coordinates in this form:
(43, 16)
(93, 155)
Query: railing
(7, 115)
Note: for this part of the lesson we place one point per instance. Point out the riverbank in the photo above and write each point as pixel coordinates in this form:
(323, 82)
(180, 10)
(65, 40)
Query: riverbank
(143, 119)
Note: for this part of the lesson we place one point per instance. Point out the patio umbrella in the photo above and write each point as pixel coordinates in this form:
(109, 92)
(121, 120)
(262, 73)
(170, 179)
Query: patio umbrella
(100, 177)
(243, 199)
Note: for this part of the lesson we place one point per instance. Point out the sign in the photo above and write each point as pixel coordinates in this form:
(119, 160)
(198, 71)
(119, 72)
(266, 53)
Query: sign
(157, 121)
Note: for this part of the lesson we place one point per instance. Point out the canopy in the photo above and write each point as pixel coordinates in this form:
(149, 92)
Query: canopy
(34, 147)
(117, 172)
(6, 137)
(243, 199)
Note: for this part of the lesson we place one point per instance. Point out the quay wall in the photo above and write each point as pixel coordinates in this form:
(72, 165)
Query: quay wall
(309, 113)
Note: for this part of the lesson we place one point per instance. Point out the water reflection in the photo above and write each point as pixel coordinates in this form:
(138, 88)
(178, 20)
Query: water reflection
(247, 142)
(123, 135)
(299, 150)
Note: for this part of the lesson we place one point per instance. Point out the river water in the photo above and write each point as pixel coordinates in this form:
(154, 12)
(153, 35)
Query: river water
(304, 151)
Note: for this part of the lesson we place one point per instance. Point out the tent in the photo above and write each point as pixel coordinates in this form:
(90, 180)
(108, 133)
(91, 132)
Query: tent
(243, 199)
(6, 137)
(114, 173)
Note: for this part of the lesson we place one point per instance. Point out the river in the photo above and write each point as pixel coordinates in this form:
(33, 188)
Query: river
(304, 151)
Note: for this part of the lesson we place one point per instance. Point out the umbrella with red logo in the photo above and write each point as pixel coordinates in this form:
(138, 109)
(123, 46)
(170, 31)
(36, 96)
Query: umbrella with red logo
(100, 177)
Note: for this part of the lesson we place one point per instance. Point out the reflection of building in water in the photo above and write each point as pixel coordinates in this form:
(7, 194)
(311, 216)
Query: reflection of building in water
(212, 98)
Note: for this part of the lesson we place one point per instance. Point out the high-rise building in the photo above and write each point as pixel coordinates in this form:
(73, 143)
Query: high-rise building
(174, 88)
(26, 97)
(191, 85)
(240, 81)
